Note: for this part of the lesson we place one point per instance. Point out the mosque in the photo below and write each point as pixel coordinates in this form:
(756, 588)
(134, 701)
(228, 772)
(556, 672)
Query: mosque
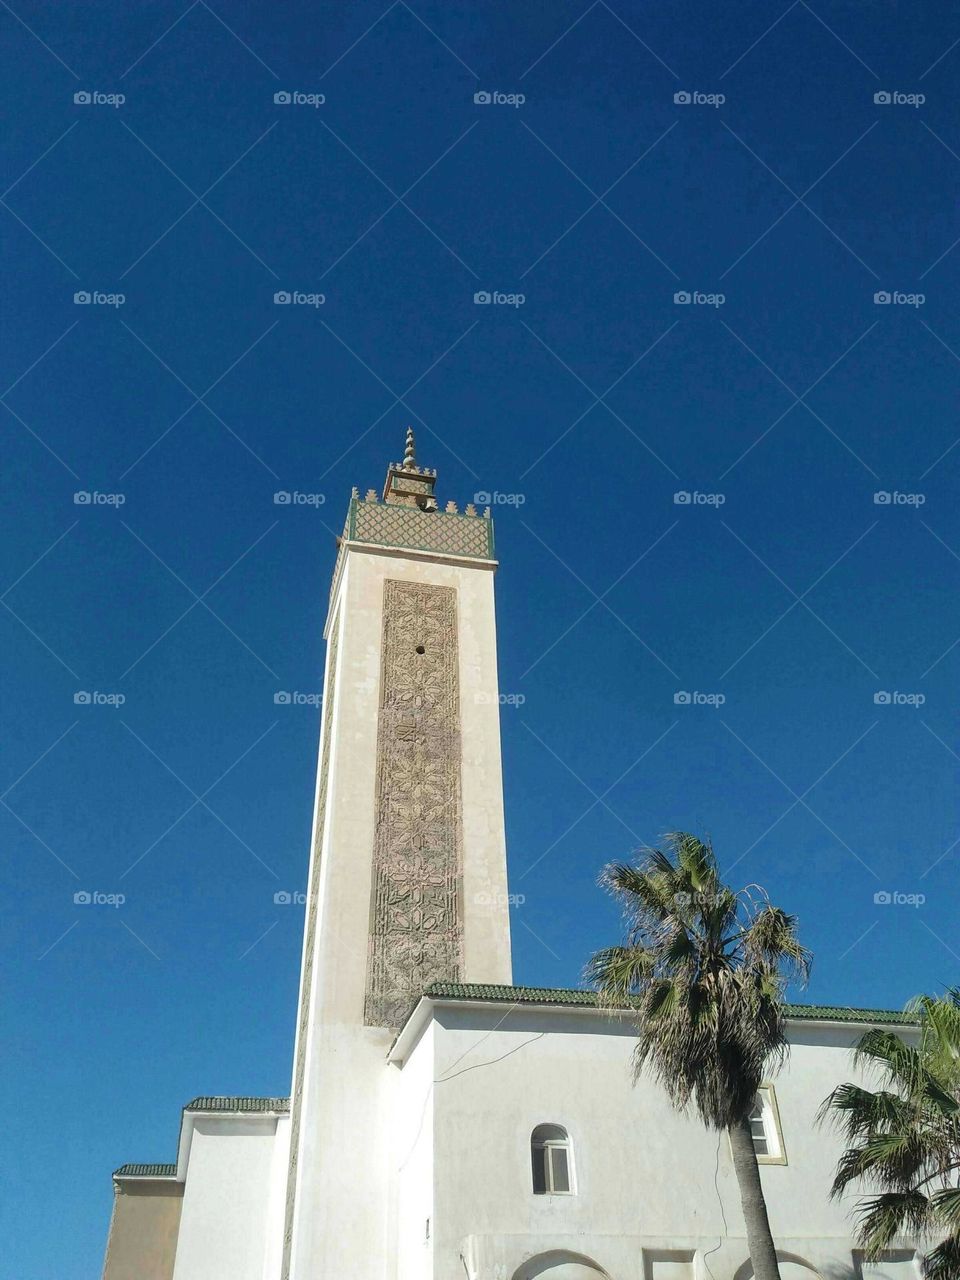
(444, 1124)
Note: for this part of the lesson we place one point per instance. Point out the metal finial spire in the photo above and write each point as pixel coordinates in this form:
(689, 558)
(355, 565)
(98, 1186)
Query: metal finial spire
(409, 454)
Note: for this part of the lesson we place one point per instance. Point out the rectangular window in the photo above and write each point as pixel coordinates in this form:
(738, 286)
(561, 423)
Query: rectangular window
(765, 1127)
(758, 1129)
(559, 1172)
(551, 1170)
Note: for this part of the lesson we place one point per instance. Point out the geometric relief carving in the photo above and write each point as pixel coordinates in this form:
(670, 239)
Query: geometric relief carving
(416, 910)
(309, 947)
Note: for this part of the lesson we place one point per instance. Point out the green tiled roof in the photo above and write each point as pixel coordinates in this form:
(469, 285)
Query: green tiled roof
(568, 996)
(145, 1171)
(238, 1104)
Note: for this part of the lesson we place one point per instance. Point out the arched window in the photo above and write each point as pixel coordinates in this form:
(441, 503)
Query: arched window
(552, 1157)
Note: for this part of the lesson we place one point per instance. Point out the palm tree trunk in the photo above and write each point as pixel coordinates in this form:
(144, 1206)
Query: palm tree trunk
(763, 1252)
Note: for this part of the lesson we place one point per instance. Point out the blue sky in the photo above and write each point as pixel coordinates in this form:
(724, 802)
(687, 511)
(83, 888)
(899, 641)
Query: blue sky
(781, 587)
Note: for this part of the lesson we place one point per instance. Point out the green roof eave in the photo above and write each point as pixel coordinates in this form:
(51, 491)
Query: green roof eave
(577, 998)
(146, 1171)
(236, 1104)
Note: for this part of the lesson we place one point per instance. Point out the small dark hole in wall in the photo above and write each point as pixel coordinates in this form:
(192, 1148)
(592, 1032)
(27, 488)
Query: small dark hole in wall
(421, 649)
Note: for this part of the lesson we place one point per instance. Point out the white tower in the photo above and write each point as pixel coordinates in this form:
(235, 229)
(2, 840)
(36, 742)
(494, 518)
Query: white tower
(407, 882)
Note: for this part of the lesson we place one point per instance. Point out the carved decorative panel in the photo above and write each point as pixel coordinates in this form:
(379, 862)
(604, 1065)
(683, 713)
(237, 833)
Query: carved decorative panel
(416, 912)
(310, 937)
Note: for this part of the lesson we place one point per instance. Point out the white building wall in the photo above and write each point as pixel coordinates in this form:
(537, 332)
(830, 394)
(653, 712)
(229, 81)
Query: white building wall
(276, 1200)
(656, 1195)
(412, 1158)
(224, 1221)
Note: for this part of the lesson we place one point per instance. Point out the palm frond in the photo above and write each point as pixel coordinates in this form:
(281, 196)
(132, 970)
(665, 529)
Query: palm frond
(771, 940)
(943, 1262)
(617, 972)
(906, 1137)
(946, 1204)
(859, 1112)
(885, 1217)
(707, 970)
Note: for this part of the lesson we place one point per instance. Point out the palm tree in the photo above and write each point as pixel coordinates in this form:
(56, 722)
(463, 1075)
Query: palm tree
(703, 971)
(904, 1138)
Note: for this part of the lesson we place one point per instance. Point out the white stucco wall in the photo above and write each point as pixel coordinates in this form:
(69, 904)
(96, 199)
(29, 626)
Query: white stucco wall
(227, 1194)
(651, 1185)
(412, 1165)
(276, 1200)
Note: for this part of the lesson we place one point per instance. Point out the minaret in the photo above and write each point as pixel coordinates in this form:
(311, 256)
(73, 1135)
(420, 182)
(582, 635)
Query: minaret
(407, 881)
